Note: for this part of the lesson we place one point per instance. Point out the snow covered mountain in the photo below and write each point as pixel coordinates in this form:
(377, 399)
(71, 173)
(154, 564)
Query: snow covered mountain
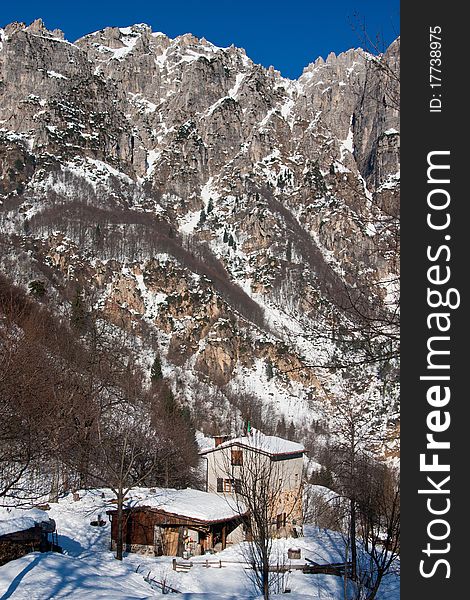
(242, 225)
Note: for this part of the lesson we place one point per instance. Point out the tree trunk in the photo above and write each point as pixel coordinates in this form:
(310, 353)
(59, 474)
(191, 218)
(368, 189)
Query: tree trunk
(54, 491)
(265, 575)
(266, 584)
(119, 540)
(83, 467)
(353, 542)
(346, 573)
(373, 592)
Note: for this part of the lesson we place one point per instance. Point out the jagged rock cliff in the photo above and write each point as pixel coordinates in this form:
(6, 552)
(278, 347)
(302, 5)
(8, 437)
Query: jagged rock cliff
(244, 224)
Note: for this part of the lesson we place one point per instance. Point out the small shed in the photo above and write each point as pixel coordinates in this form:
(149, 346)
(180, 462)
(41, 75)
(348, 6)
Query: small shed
(23, 531)
(177, 523)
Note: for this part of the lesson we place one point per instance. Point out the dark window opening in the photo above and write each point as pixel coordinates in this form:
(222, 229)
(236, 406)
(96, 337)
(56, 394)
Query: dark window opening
(281, 520)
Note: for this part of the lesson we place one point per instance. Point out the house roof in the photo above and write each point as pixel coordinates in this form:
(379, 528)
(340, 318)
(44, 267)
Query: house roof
(13, 520)
(188, 503)
(256, 440)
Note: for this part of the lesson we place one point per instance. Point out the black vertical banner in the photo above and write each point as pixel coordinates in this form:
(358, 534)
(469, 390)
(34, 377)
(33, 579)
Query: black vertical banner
(434, 330)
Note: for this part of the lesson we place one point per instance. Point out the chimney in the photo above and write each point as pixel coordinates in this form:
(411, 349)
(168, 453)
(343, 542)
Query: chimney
(220, 439)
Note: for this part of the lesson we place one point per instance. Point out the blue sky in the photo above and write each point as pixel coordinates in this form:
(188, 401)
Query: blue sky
(287, 34)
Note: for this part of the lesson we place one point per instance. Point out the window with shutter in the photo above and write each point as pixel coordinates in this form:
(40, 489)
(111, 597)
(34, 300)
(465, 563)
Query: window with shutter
(237, 458)
(220, 484)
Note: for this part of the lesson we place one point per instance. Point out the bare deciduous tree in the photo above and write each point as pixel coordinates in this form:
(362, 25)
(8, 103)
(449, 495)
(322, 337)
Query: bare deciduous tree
(127, 454)
(371, 490)
(378, 527)
(260, 486)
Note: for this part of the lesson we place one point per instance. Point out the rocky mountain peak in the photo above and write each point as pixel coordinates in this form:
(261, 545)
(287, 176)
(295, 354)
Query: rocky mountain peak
(225, 214)
(37, 27)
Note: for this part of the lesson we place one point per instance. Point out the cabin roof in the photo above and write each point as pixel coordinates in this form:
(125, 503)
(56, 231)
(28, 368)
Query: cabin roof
(188, 503)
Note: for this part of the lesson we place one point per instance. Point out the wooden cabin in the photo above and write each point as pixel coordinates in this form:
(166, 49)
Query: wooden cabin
(177, 523)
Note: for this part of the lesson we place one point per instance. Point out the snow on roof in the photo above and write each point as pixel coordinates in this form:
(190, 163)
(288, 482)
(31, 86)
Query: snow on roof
(269, 444)
(204, 442)
(17, 519)
(189, 503)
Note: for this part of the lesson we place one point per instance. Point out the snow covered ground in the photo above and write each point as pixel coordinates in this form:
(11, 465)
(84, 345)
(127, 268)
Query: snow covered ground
(87, 569)
(47, 576)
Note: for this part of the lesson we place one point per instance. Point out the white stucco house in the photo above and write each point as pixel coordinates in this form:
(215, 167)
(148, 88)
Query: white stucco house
(239, 468)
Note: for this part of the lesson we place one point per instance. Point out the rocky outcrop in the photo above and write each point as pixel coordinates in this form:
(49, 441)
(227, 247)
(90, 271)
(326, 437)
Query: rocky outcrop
(192, 190)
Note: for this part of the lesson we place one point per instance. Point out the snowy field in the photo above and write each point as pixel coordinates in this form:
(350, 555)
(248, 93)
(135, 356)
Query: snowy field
(88, 570)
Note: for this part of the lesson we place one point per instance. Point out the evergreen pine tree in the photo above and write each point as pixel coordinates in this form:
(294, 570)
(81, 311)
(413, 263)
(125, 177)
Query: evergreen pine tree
(269, 370)
(37, 288)
(291, 432)
(156, 370)
(289, 251)
(79, 313)
(169, 404)
(281, 429)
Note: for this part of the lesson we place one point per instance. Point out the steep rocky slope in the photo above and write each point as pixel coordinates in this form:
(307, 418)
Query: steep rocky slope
(242, 225)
